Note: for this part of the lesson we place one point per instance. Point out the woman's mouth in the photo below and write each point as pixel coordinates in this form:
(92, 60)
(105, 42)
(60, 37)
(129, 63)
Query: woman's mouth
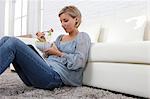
(65, 29)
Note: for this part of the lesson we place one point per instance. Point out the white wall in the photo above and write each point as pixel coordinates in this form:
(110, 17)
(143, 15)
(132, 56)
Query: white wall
(33, 24)
(11, 15)
(2, 16)
(33, 20)
(94, 12)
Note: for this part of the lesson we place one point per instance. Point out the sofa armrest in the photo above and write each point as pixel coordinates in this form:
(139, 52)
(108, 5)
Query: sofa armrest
(27, 40)
(26, 36)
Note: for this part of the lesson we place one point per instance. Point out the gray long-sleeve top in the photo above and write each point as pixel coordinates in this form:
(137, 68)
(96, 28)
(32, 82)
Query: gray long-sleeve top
(71, 65)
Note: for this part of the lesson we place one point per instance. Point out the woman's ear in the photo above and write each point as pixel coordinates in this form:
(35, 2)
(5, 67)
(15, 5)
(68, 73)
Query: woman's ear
(76, 21)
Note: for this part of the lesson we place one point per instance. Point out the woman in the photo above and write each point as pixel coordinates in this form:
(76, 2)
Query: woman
(66, 58)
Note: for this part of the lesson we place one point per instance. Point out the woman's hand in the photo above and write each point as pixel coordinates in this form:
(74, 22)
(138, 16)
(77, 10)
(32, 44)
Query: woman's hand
(53, 51)
(41, 36)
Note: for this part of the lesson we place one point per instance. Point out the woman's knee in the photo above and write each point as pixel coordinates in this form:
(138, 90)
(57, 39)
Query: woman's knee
(12, 41)
(5, 38)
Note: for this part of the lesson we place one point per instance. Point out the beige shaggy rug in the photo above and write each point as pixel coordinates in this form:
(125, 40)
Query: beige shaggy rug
(11, 87)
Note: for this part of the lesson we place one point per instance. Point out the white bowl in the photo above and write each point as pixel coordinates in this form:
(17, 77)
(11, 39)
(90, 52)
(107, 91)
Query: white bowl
(43, 45)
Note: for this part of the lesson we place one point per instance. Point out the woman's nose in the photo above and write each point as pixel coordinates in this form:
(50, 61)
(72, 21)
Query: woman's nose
(63, 25)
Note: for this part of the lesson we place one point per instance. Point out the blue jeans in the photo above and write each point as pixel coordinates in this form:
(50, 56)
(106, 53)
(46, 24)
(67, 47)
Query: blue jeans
(31, 68)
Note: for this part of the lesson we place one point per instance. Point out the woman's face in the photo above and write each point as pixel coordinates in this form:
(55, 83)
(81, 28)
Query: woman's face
(67, 22)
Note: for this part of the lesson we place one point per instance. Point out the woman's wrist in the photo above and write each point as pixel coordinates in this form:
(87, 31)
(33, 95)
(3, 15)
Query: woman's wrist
(60, 54)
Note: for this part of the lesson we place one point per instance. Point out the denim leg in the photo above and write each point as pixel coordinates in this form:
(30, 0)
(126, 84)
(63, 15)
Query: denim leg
(6, 59)
(21, 74)
(25, 80)
(31, 68)
(3, 40)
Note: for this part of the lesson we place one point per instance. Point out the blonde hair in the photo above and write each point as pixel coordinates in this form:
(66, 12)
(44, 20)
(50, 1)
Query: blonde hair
(73, 12)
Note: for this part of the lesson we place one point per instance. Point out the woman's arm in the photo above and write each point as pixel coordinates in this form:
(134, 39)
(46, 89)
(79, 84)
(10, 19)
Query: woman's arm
(79, 58)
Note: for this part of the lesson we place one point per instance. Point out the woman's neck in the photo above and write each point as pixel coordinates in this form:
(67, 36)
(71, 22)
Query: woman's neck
(70, 37)
(74, 33)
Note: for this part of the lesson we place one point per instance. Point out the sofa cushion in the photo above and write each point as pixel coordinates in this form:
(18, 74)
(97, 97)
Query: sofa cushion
(129, 52)
(124, 29)
(92, 28)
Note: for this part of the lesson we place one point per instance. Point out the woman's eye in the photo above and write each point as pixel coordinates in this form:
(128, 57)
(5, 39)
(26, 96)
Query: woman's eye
(65, 20)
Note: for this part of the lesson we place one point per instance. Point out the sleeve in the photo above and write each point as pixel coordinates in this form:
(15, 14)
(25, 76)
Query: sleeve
(58, 40)
(79, 58)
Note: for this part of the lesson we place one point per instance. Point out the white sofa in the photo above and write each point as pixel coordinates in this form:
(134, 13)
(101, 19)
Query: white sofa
(121, 60)
(121, 67)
